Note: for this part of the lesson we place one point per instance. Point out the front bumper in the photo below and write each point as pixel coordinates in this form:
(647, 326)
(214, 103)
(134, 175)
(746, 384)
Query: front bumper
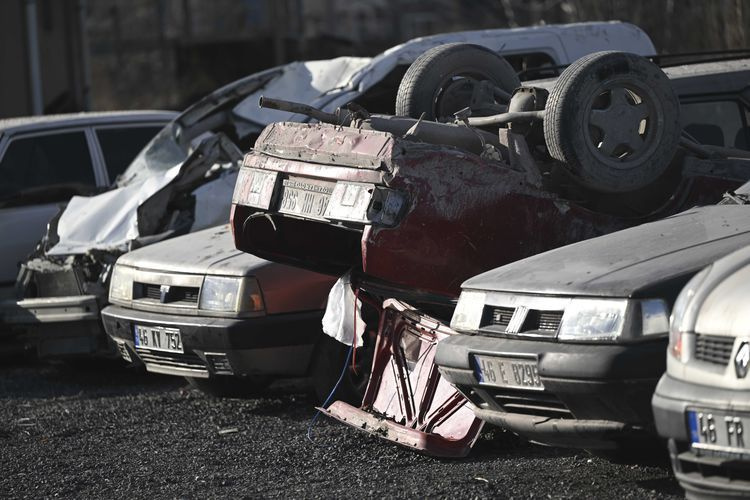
(595, 396)
(701, 474)
(57, 326)
(279, 345)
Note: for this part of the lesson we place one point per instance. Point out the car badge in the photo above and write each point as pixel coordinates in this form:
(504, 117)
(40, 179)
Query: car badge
(742, 360)
(163, 292)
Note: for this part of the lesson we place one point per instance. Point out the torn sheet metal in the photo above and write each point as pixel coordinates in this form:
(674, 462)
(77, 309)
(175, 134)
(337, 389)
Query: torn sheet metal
(304, 81)
(407, 401)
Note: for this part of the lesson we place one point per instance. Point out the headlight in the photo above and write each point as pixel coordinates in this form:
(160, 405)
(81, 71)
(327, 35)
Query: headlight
(654, 318)
(677, 322)
(593, 319)
(469, 310)
(223, 294)
(121, 285)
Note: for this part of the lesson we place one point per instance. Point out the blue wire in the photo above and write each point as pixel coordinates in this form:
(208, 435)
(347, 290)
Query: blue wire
(330, 396)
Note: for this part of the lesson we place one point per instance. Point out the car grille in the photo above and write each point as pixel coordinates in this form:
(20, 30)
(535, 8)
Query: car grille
(176, 294)
(501, 316)
(535, 403)
(172, 360)
(546, 321)
(713, 349)
(535, 321)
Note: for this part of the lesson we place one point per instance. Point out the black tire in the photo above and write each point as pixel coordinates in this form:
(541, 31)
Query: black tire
(327, 365)
(423, 88)
(613, 119)
(230, 387)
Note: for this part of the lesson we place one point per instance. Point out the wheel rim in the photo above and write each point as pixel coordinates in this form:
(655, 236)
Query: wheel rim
(622, 124)
(454, 94)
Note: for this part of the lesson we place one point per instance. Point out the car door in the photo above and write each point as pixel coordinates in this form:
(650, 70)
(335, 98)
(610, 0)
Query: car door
(39, 172)
(118, 145)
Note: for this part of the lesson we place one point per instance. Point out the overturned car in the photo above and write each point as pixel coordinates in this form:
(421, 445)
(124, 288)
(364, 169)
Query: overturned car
(182, 181)
(476, 172)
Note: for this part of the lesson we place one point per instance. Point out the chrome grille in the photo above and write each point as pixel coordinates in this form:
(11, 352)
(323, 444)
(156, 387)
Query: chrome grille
(501, 316)
(536, 320)
(184, 294)
(713, 349)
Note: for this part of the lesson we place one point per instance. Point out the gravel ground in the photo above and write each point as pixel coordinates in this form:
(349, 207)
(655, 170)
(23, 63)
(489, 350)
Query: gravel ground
(114, 432)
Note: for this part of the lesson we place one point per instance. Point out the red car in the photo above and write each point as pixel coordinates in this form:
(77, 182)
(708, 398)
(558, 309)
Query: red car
(415, 207)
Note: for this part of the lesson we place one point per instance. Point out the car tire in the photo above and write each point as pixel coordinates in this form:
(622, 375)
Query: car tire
(230, 387)
(326, 368)
(439, 82)
(612, 118)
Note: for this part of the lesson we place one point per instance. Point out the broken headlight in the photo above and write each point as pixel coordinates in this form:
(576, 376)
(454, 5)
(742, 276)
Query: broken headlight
(121, 285)
(225, 294)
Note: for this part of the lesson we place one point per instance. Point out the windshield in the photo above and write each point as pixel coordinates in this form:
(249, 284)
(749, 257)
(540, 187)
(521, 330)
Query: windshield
(162, 153)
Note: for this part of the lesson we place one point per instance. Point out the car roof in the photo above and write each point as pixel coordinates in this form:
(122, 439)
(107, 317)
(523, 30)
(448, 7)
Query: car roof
(47, 122)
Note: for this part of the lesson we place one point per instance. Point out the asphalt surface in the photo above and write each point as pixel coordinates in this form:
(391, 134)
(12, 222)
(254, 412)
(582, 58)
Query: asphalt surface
(113, 432)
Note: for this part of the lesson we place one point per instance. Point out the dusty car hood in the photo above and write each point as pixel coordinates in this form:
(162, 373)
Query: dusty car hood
(210, 251)
(627, 262)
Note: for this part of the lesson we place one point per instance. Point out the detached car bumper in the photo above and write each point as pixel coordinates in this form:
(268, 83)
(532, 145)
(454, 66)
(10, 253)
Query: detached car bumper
(590, 396)
(280, 345)
(56, 326)
(720, 472)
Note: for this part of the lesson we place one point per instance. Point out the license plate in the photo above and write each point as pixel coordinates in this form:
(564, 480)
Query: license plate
(305, 197)
(158, 338)
(515, 373)
(720, 433)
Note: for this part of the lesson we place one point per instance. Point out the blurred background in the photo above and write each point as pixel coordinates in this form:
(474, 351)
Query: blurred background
(71, 55)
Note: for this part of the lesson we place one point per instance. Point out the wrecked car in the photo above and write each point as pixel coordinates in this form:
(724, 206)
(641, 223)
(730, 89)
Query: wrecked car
(194, 306)
(412, 207)
(45, 160)
(182, 181)
(565, 348)
(702, 402)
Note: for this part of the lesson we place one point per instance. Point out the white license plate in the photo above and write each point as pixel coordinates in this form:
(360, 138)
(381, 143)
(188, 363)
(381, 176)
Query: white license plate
(720, 433)
(305, 197)
(515, 373)
(158, 338)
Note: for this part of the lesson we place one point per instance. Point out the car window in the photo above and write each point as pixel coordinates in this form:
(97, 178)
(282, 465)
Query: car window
(716, 123)
(162, 153)
(120, 145)
(54, 161)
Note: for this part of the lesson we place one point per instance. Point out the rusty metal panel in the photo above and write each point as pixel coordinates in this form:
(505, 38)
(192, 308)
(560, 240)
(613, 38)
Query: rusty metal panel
(323, 143)
(407, 401)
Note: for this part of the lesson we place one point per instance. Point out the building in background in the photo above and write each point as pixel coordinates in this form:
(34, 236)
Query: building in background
(167, 53)
(43, 57)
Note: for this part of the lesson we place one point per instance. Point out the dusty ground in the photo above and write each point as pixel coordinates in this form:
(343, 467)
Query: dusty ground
(113, 432)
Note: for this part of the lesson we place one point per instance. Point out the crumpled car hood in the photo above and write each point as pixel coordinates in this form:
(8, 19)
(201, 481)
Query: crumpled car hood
(623, 263)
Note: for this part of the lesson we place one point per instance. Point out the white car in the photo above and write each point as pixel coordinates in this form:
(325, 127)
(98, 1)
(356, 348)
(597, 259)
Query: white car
(702, 403)
(44, 160)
